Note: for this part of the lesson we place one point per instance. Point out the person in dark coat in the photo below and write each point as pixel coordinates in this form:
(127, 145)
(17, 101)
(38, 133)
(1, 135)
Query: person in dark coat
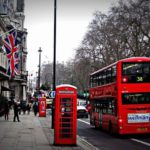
(16, 111)
(28, 108)
(35, 107)
(6, 110)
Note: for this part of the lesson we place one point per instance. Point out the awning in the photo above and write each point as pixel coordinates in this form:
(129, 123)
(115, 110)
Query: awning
(3, 75)
(3, 88)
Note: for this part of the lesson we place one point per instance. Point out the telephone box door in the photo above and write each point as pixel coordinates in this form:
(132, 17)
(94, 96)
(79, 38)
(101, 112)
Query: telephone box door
(65, 125)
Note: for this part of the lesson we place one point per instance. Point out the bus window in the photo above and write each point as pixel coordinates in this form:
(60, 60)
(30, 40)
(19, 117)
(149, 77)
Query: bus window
(146, 68)
(113, 73)
(136, 72)
(100, 79)
(104, 77)
(111, 105)
(93, 81)
(97, 80)
(136, 98)
(108, 75)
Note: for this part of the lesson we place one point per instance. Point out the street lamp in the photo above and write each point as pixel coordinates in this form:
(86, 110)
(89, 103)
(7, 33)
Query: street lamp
(54, 57)
(39, 74)
(54, 63)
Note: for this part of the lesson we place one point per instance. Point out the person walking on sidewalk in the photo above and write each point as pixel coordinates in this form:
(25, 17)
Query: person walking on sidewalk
(35, 107)
(16, 111)
(6, 110)
(28, 108)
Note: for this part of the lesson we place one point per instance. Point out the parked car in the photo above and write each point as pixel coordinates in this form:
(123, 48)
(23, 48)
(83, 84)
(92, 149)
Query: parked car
(82, 112)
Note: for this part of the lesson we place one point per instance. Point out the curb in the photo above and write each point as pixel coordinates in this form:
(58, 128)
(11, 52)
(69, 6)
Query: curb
(85, 144)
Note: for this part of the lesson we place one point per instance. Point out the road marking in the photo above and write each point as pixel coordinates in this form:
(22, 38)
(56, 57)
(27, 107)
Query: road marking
(145, 143)
(85, 144)
(136, 140)
(84, 121)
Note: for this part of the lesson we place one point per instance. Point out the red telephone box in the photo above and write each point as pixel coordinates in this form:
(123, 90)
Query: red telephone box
(42, 107)
(65, 122)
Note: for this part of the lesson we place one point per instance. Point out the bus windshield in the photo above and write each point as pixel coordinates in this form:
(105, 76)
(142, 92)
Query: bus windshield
(136, 72)
(136, 98)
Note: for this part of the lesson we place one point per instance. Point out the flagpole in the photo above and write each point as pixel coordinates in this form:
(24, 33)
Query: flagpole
(9, 31)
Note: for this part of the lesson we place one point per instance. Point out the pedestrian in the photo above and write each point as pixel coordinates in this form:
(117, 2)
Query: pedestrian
(35, 107)
(6, 110)
(28, 108)
(16, 111)
(23, 105)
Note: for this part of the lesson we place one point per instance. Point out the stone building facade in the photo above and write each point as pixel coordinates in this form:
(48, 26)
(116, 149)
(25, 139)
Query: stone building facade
(12, 19)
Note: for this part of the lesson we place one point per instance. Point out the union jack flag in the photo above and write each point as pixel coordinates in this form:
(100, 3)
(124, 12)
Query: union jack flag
(11, 49)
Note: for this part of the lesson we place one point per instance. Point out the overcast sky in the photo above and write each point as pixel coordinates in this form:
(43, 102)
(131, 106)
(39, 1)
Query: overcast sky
(73, 18)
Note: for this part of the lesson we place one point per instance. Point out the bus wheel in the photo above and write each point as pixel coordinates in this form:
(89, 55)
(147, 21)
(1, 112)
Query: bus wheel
(110, 127)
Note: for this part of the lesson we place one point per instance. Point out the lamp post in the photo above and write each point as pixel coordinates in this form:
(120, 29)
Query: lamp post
(54, 57)
(39, 74)
(54, 63)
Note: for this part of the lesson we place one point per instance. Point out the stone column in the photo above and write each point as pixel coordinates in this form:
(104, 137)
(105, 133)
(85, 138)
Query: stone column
(24, 93)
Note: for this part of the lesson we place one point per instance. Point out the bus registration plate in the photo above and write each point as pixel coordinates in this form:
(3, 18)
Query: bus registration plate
(142, 129)
(138, 118)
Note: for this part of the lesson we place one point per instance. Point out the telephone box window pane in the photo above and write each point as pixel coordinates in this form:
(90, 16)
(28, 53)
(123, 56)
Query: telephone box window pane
(66, 135)
(66, 125)
(67, 130)
(66, 100)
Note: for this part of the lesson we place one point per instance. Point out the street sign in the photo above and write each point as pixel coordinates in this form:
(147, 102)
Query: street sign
(52, 94)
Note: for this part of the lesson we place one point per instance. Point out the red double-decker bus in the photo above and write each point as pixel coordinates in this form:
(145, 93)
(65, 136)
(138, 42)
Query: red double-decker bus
(120, 96)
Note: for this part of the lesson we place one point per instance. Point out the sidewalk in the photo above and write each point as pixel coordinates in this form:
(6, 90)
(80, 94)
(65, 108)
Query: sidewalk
(32, 133)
